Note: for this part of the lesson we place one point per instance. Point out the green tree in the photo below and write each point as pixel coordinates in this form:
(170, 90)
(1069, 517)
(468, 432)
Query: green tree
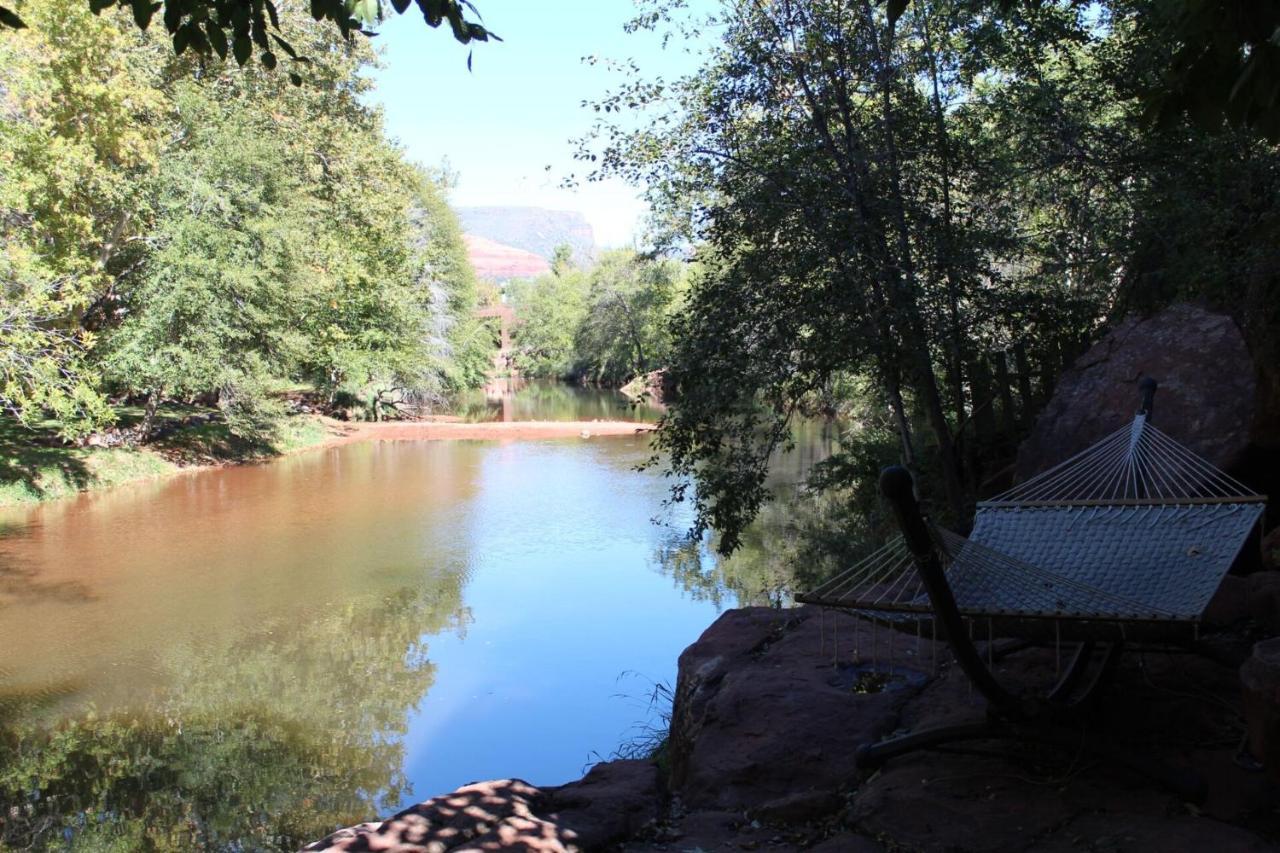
(626, 328)
(205, 234)
(887, 190)
(81, 136)
(551, 308)
(214, 311)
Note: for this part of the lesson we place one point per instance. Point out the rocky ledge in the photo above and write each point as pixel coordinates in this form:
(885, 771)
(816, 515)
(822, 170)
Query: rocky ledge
(771, 706)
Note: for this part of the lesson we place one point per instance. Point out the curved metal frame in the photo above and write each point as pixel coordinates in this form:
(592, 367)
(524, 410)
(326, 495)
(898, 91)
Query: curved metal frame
(1035, 719)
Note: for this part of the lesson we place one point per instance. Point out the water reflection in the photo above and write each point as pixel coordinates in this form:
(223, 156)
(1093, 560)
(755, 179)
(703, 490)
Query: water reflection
(770, 566)
(247, 658)
(259, 742)
(536, 399)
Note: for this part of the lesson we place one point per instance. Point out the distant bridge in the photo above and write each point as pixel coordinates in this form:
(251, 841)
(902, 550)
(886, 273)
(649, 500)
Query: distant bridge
(506, 320)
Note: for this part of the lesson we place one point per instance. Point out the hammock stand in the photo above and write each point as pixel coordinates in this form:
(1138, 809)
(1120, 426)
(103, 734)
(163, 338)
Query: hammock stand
(1128, 540)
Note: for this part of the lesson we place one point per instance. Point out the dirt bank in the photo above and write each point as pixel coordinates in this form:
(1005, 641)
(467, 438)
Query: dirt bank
(437, 430)
(46, 472)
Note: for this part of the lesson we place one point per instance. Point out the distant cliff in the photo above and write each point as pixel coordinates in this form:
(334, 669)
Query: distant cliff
(493, 260)
(531, 229)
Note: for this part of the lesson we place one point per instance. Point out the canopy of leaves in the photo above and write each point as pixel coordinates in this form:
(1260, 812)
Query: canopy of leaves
(242, 27)
(603, 325)
(177, 233)
(890, 191)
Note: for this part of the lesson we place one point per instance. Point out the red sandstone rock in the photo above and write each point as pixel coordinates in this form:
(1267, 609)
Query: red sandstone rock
(473, 817)
(847, 842)
(1206, 398)
(1133, 833)
(613, 801)
(497, 261)
(760, 714)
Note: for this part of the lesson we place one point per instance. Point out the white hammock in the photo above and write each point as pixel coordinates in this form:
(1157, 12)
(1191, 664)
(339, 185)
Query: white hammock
(1134, 529)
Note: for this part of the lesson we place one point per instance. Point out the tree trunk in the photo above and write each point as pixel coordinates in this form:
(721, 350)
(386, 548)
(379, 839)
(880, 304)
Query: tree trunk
(905, 292)
(947, 261)
(149, 415)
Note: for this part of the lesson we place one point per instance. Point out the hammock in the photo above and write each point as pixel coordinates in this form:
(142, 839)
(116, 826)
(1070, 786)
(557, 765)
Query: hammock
(1127, 540)
(1135, 529)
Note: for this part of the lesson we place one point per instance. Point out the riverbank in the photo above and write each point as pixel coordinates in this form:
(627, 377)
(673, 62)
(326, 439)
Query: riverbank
(33, 472)
(762, 755)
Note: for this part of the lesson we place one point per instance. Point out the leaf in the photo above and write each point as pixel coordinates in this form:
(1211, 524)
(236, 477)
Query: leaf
(96, 6)
(142, 12)
(242, 48)
(400, 6)
(432, 11)
(295, 79)
(285, 46)
(268, 59)
(217, 39)
(271, 13)
(11, 20)
(894, 9)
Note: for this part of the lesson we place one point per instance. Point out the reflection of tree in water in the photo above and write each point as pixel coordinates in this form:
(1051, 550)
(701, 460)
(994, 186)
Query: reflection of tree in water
(801, 534)
(780, 555)
(541, 399)
(267, 742)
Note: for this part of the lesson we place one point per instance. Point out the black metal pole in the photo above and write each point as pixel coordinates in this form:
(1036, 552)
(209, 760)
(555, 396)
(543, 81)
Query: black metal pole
(1148, 388)
(896, 485)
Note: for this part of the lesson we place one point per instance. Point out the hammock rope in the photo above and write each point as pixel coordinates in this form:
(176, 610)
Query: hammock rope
(1135, 528)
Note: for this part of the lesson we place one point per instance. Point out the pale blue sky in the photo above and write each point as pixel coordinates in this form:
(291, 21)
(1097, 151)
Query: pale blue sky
(503, 123)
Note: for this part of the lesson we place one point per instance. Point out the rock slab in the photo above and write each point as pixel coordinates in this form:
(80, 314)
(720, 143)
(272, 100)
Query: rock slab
(611, 802)
(767, 715)
(1206, 400)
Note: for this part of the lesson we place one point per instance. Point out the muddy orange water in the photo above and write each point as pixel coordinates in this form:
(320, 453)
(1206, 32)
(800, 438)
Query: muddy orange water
(245, 657)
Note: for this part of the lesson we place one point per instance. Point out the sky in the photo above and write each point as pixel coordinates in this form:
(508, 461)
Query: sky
(503, 123)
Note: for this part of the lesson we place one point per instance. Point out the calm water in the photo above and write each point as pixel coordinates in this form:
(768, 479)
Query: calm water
(247, 657)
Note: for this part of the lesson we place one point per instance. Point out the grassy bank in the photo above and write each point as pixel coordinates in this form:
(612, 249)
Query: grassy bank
(35, 467)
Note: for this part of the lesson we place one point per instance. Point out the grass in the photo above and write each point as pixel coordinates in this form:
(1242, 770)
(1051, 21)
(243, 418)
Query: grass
(35, 466)
(649, 738)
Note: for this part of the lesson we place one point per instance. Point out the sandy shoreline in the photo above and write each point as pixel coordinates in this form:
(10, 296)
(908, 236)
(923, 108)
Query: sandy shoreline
(338, 433)
(343, 432)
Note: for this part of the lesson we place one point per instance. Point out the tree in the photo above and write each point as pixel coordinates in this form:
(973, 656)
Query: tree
(214, 311)
(625, 330)
(203, 235)
(551, 308)
(82, 132)
(884, 191)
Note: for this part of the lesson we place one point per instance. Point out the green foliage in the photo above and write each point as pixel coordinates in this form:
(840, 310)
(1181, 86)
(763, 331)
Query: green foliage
(892, 192)
(80, 136)
(551, 308)
(241, 27)
(195, 233)
(214, 310)
(625, 331)
(603, 325)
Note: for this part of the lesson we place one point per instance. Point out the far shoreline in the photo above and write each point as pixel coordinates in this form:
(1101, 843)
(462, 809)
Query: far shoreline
(127, 465)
